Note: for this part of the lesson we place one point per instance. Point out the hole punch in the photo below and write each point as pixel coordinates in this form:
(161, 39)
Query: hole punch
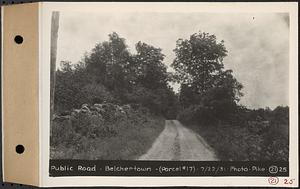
(20, 149)
(18, 39)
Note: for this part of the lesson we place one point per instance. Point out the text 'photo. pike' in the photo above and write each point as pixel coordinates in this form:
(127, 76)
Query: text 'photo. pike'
(169, 86)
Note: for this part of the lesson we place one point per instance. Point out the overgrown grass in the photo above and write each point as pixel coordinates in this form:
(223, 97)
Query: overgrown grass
(113, 136)
(238, 143)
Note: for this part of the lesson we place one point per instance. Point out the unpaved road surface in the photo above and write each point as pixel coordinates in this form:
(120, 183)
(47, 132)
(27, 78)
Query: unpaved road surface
(177, 142)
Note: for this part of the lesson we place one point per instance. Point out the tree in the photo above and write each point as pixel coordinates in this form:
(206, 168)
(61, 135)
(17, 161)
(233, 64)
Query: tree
(110, 73)
(205, 83)
(198, 60)
(74, 87)
(150, 81)
(54, 36)
(151, 72)
(108, 62)
(65, 88)
(223, 96)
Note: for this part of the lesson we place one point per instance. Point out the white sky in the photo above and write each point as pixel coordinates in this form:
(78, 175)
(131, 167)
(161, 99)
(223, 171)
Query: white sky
(257, 44)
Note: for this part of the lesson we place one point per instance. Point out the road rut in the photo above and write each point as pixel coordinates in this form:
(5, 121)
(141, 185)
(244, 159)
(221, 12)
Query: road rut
(178, 143)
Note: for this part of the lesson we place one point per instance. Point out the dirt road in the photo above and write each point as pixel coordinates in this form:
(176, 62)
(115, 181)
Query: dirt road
(177, 142)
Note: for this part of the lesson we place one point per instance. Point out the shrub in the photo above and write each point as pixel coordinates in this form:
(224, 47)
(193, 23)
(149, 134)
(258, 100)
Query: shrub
(196, 114)
(256, 135)
(104, 131)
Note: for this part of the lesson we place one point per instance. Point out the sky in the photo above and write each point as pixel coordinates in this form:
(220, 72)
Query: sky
(257, 44)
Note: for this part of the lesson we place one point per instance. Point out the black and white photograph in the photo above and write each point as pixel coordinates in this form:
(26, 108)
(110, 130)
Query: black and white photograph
(169, 86)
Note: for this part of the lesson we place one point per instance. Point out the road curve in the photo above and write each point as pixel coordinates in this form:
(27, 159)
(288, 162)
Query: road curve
(178, 143)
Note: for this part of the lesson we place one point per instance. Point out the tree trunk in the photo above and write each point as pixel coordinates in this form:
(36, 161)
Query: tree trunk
(53, 50)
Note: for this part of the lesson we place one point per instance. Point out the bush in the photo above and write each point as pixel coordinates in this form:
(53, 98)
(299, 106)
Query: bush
(196, 114)
(235, 143)
(104, 131)
(256, 135)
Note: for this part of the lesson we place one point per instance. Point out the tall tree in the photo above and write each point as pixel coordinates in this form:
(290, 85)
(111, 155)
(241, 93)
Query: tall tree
(151, 81)
(107, 62)
(151, 71)
(204, 81)
(198, 59)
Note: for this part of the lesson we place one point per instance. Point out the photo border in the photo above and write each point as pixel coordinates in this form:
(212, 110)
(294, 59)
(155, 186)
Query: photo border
(215, 7)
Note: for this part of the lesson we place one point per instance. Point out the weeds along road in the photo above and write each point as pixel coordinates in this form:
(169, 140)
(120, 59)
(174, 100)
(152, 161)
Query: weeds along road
(177, 142)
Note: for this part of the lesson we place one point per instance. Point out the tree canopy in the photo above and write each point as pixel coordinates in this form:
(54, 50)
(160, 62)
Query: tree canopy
(200, 71)
(111, 73)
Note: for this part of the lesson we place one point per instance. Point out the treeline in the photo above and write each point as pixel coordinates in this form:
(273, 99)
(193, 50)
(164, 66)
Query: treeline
(112, 74)
(112, 104)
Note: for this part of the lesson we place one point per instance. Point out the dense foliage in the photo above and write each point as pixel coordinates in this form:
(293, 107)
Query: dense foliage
(110, 73)
(260, 134)
(104, 131)
(111, 105)
(112, 77)
(206, 87)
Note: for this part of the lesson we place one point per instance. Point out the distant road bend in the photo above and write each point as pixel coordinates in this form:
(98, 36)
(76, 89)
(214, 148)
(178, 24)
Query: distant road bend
(177, 142)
